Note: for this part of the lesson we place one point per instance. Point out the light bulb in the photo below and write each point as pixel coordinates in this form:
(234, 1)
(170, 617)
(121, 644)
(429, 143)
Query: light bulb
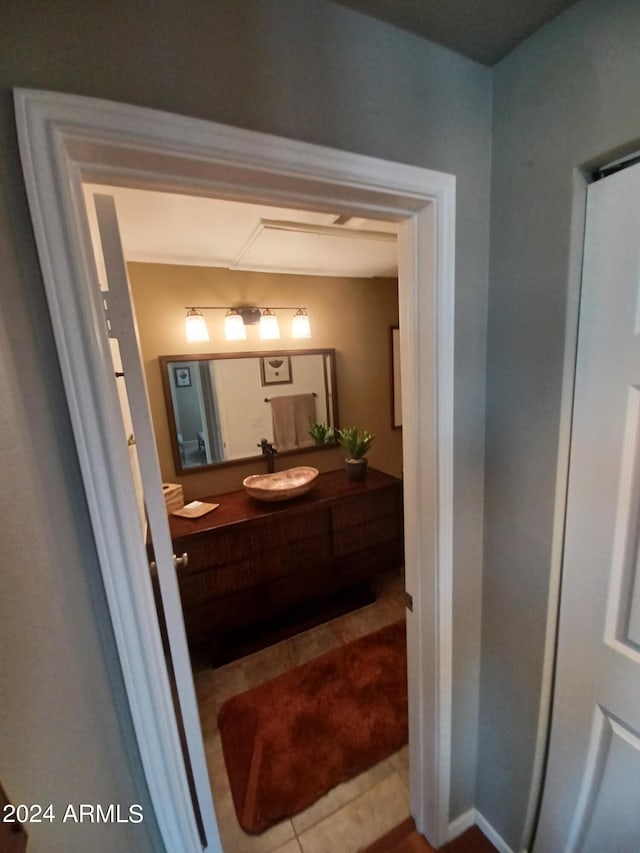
(234, 328)
(269, 329)
(195, 326)
(300, 327)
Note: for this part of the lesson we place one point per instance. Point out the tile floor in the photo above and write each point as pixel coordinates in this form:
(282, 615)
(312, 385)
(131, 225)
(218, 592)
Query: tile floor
(353, 814)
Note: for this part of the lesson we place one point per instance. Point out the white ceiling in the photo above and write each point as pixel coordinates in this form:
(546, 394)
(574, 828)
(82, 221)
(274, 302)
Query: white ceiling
(178, 229)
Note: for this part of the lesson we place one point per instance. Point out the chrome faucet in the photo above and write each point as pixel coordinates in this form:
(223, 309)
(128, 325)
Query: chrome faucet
(270, 453)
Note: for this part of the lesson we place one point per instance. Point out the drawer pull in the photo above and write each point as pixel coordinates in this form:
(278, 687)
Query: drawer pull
(182, 561)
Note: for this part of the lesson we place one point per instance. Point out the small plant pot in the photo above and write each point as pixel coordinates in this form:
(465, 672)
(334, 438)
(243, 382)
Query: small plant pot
(356, 469)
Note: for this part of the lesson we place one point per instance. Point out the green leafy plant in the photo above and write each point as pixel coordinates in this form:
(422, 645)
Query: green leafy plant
(354, 442)
(321, 433)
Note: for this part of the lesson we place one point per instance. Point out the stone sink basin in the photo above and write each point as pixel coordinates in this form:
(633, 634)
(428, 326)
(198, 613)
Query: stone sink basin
(282, 485)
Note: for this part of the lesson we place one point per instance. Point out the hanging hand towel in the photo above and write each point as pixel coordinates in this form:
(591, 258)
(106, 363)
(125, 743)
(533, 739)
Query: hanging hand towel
(291, 417)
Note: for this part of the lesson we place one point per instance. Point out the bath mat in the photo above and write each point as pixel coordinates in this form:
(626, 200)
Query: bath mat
(290, 740)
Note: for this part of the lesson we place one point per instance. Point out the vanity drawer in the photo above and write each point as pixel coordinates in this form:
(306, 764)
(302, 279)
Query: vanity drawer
(218, 548)
(226, 562)
(366, 521)
(217, 582)
(306, 542)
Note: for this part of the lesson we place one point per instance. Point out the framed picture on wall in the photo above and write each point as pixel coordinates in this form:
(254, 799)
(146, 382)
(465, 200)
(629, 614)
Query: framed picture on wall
(276, 370)
(396, 387)
(182, 377)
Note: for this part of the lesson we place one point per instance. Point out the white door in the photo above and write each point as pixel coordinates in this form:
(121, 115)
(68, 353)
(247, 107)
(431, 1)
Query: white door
(138, 428)
(591, 799)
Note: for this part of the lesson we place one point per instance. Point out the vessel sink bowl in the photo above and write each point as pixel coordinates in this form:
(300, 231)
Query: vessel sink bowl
(282, 485)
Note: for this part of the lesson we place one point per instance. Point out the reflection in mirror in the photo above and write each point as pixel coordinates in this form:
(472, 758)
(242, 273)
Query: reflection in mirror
(221, 406)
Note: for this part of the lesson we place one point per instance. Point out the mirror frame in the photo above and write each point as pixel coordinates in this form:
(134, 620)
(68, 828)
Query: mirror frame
(165, 360)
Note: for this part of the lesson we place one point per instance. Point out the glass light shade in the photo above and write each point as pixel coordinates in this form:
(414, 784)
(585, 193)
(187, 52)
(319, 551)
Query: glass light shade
(300, 327)
(195, 327)
(269, 329)
(234, 328)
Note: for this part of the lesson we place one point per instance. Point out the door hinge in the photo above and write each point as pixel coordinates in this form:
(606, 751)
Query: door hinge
(408, 601)
(107, 317)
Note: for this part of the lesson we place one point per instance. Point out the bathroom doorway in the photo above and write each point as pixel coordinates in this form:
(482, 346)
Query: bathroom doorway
(352, 313)
(66, 139)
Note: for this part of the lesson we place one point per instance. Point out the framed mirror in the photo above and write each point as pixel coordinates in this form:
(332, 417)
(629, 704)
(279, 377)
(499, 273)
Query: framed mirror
(221, 405)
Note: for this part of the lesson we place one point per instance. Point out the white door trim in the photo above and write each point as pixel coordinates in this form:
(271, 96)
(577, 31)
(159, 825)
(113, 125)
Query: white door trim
(66, 139)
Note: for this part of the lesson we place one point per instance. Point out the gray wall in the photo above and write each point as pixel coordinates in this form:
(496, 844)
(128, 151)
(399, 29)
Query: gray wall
(312, 71)
(567, 97)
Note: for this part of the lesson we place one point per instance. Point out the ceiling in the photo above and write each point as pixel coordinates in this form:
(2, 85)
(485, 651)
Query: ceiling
(483, 30)
(168, 228)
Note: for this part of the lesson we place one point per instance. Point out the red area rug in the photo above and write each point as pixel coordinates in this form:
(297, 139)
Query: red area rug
(290, 740)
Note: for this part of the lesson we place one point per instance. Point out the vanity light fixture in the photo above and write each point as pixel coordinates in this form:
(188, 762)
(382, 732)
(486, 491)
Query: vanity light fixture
(239, 317)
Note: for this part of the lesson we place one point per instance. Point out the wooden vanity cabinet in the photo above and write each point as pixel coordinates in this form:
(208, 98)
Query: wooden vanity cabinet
(254, 565)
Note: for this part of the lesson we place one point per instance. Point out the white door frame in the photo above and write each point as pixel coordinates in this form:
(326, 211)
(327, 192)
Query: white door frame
(574, 283)
(65, 140)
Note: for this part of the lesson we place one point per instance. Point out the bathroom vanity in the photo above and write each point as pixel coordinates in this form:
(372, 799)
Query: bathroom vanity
(259, 571)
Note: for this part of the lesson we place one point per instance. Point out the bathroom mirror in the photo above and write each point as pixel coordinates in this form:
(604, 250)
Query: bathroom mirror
(221, 405)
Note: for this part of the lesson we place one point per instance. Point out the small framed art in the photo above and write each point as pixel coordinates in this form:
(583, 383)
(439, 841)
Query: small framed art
(276, 370)
(182, 377)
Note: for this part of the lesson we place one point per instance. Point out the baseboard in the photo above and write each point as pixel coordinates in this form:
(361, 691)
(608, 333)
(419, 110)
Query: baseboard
(492, 835)
(461, 824)
(471, 818)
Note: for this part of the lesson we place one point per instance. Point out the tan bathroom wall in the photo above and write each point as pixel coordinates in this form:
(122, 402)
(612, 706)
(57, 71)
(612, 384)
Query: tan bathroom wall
(351, 315)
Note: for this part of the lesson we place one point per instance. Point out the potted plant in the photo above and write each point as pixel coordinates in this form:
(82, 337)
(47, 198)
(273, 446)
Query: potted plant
(321, 433)
(356, 444)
